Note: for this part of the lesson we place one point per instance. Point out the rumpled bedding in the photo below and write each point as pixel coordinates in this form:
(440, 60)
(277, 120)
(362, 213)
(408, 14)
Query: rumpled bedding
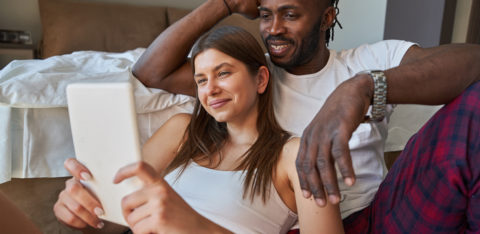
(35, 135)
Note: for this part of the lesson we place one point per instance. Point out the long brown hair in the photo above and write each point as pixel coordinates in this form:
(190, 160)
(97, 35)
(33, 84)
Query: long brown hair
(205, 136)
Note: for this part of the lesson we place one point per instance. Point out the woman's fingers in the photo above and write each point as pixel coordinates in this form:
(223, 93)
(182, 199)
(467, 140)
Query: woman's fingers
(72, 213)
(81, 202)
(65, 216)
(77, 169)
(142, 170)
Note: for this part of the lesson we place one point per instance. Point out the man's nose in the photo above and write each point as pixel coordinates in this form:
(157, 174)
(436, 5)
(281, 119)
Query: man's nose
(276, 27)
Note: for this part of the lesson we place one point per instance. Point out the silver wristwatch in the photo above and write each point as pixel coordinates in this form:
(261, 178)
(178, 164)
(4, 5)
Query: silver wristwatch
(379, 104)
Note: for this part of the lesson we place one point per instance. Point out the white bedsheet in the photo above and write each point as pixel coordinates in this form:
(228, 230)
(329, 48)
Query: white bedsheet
(35, 135)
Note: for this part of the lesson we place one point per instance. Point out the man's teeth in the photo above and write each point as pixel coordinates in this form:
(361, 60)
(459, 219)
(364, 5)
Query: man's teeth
(278, 47)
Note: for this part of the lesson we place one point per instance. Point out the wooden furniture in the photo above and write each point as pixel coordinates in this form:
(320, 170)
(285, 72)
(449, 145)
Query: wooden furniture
(10, 52)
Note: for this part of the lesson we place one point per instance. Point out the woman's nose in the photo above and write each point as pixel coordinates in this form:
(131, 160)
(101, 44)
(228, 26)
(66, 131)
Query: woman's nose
(212, 87)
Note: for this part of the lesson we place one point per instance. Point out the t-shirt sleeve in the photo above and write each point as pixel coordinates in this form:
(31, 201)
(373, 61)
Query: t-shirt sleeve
(382, 55)
(394, 51)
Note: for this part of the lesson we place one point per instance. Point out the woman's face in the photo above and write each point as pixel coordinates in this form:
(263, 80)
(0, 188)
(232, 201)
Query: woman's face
(225, 88)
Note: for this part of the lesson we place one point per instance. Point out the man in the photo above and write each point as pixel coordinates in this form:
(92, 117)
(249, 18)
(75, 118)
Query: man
(324, 95)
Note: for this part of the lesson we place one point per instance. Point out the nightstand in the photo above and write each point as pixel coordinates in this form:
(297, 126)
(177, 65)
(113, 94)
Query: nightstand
(10, 52)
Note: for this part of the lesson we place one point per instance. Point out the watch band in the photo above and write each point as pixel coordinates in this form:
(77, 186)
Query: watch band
(379, 104)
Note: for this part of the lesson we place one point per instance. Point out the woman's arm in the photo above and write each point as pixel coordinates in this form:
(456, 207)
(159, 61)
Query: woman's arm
(13, 220)
(77, 207)
(312, 218)
(156, 207)
(163, 145)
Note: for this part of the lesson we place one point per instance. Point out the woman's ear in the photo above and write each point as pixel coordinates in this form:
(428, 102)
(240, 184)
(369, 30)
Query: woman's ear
(262, 79)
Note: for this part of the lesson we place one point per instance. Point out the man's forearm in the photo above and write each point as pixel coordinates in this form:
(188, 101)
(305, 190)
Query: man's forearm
(433, 76)
(169, 50)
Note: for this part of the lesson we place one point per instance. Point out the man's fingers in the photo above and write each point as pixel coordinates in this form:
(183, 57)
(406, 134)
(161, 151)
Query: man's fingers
(77, 169)
(314, 181)
(341, 154)
(299, 163)
(326, 168)
(328, 175)
(316, 188)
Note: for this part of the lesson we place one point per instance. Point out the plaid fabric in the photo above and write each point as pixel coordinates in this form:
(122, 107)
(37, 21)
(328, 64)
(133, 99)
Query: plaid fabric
(434, 186)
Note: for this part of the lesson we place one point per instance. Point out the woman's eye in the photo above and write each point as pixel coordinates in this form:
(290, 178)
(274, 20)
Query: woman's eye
(223, 74)
(201, 81)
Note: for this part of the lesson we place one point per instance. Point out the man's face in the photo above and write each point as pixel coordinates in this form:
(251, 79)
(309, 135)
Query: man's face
(291, 31)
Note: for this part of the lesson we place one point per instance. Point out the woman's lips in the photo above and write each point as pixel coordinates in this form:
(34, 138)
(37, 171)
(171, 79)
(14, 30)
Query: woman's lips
(218, 103)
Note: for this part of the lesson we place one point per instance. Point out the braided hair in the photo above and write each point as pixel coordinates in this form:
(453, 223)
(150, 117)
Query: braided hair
(330, 32)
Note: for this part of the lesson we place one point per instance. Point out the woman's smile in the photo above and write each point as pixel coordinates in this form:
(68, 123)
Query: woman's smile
(217, 103)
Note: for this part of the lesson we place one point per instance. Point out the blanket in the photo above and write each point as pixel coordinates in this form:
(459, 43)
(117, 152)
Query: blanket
(35, 135)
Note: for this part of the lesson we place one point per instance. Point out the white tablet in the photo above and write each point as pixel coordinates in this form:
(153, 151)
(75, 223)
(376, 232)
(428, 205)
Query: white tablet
(105, 138)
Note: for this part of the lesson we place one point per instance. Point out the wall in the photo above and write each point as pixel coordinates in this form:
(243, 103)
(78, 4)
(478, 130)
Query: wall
(412, 20)
(363, 22)
(24, 15)
(462, 16)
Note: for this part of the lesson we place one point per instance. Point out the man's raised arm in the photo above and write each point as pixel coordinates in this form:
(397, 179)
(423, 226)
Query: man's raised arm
(425, 76)
(165, 64)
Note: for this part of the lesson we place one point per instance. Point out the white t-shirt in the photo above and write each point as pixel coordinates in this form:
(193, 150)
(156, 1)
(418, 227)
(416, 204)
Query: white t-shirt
(297, 99)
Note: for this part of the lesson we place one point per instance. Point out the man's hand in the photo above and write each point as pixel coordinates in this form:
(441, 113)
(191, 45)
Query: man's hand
(247, 8)
(325, 140)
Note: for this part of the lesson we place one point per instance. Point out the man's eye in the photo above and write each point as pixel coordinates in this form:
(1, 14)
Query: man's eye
(265, 16)
(290, 15)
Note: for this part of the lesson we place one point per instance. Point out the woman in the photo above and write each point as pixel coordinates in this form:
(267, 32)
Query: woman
(227, 167)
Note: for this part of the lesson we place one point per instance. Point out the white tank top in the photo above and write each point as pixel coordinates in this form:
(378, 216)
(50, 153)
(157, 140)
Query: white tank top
(218, 196)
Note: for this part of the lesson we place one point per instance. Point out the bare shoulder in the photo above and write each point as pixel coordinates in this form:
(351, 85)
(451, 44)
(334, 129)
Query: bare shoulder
(289, 155)
(178, 120)
(162, 147)
(290, 149)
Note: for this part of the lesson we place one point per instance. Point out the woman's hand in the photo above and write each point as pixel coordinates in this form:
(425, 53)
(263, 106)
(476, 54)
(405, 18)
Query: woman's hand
(156, 207)
(76, 206)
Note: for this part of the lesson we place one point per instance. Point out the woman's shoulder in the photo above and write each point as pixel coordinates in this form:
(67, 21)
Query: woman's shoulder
(290, 149)
(288, 154)
(177, 122)
(172, 129)
(180, 118)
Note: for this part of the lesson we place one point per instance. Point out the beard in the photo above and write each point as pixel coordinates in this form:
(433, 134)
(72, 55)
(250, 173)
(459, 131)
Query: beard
(305, 53)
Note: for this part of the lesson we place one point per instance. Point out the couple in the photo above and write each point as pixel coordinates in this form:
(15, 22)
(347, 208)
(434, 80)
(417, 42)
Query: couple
(227, 167)
(433, 186)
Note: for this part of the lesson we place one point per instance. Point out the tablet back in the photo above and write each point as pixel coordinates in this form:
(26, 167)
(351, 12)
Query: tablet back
(105, 138)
